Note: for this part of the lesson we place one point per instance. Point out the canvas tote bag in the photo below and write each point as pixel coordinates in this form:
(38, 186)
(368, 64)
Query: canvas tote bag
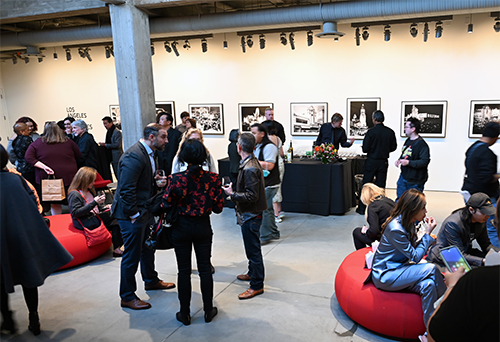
(53, 189)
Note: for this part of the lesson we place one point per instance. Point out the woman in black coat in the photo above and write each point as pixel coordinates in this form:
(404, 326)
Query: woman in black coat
(29, 252)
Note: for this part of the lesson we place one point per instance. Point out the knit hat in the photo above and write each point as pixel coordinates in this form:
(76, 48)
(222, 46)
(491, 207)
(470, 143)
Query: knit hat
(491, 130)
(482, 202)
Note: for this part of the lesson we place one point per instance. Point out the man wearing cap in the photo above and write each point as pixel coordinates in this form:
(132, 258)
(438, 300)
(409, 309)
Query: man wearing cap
(481, 171)
(464, 226)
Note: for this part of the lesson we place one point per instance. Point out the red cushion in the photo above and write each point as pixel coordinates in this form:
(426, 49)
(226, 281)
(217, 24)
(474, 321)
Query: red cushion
(74, 240)
(397, 314)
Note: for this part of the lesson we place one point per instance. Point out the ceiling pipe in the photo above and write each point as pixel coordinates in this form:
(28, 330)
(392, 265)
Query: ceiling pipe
(340, 12)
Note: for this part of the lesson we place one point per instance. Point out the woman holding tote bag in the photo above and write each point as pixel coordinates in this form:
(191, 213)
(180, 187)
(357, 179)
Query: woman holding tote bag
(53, 154)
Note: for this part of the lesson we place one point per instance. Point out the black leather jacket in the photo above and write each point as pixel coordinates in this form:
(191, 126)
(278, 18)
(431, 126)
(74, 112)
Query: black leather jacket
(250, 195)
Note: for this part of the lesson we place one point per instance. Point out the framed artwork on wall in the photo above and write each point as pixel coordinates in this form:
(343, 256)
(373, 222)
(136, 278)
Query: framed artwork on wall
(307, 117)
(359, 115)
(482, 112)
(432, 115)
(209, 117)
(114, 113)
(251, 113)
(166, 107)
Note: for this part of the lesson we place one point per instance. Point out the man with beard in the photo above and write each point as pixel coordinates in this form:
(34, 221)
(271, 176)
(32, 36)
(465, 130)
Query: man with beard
(166, 156)
(137, 184)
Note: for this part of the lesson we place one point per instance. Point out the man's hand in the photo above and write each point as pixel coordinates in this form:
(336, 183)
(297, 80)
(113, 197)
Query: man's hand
(404, 162)
(228, 189)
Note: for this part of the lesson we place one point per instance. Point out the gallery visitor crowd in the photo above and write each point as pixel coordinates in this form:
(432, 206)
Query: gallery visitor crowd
(175, 163)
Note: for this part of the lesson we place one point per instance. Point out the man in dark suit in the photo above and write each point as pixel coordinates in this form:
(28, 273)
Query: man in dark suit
(137, 184)
(166, 156)
(333, 133)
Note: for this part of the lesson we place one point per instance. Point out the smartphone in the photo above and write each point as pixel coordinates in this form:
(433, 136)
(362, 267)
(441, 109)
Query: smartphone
(453, 259)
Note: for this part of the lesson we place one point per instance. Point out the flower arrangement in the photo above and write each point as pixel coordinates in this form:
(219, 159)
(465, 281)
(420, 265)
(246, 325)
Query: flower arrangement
(326, 153)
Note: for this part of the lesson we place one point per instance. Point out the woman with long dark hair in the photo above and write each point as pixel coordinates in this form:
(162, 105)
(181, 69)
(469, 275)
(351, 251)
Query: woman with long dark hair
(194, 194)
(396, 262)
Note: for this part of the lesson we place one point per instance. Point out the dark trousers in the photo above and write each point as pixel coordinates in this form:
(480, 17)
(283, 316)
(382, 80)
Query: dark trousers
(374, 169)
(113, 227)
(251, 240)
(133, 238)
(361, 240)
(30, 297)
(188, 232)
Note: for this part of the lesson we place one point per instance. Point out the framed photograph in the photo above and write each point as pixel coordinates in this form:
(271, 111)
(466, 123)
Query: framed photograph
(114, 113)
(359, 115)
(482, 112)
(432, 115)
(209, 117)
(251, 113)
(307, 117)
(166, 106)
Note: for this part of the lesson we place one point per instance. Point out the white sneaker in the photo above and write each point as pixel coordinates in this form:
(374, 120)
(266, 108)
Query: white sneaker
(277, 219)
(281, 214)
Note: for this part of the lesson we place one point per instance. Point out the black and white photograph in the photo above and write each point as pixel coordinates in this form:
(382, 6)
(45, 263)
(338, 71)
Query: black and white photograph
(359, 115)
(114, 113)
(166, 107)
(209, 117)
(307, 117)
(251, 113)
(482, 112)
(432, 116)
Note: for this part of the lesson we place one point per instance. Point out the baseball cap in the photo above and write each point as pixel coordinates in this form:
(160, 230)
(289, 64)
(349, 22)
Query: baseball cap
(482, 202)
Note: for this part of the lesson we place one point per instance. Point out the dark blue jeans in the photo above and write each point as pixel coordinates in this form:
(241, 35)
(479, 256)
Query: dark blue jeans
(403, 185)
(133, 240)
(188, 232)
(251, 240)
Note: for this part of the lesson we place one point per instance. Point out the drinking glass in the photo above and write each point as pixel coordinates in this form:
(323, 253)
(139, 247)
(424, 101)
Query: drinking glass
(160, 178)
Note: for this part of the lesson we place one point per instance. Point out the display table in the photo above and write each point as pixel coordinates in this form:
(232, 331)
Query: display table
(314, 188)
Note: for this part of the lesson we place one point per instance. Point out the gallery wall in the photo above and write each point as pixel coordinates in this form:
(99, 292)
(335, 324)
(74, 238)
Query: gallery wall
(458, 68)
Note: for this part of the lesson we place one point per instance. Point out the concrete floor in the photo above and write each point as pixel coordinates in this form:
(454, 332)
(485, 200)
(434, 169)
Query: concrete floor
(299, 304)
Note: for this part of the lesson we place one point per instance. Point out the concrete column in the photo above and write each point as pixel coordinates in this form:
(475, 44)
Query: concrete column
(134, 69)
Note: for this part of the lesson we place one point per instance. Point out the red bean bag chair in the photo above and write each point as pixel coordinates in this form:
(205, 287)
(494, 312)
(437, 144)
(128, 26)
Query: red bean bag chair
(397, 314)
(74, 240)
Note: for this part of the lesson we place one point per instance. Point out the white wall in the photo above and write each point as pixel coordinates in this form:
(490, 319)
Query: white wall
(458, 67)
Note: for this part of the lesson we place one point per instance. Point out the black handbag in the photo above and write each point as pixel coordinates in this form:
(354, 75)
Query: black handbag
(160, 235)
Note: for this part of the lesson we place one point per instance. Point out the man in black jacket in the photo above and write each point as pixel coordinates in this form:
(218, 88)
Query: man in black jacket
(137, 184)
(250, 199)
(481, 170)
(414, 159)
(166, 156)
(280, 131)
(333, 133)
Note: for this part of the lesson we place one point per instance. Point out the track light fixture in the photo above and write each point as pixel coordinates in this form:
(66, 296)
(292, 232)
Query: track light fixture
(174, 47)
(262, 41)
(414, 30)
(426, 32)
(243, 44)
(68, 54)
(152, 49)
(309, 38)
(55, 54)
(496, 27)
(439, 29)
(204, 45)
(283, 38)
(109, 51)
(40, 59)
(186, 45)
(249, 41)
(224, 44)
(365, 34)
(87, 54)
(387, 33)
(167, 47)
(336, 39)
(14, 59)
(357, 36)
(292, 40)
(81, 52)
(470, 28)
(26, 60)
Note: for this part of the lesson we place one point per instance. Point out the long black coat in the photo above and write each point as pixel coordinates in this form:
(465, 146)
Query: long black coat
(29, 252)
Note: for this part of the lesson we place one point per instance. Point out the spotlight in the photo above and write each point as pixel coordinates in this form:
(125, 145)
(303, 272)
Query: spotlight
(224, 44)
(55, 54)
(336, 39)
(262, 41)
(40, 59)
(152, 49)
(167, 47)
(204, 46)
(358, 36)
(243, 44)
(107, 51)
(496, 27)
(14, 59)
(81, 52)
(26, 60)
(365, 34)
(186, 44)
(174, 47)
(439, 29)
(426, 32)
(87, 54)
(470, 28)
(249, 41)
(309, 38)
(414, 30)
(292, 40)
(283, 38)
(68, 54)
(387, 33)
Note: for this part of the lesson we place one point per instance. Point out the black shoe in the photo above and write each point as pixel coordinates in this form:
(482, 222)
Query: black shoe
(211, 314)
(184, 320)
(8, 324)
(34, 325)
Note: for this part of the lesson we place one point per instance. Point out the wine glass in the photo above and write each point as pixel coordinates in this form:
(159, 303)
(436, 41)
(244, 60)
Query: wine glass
(226, 181)
(101, 205)
(160, 178)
